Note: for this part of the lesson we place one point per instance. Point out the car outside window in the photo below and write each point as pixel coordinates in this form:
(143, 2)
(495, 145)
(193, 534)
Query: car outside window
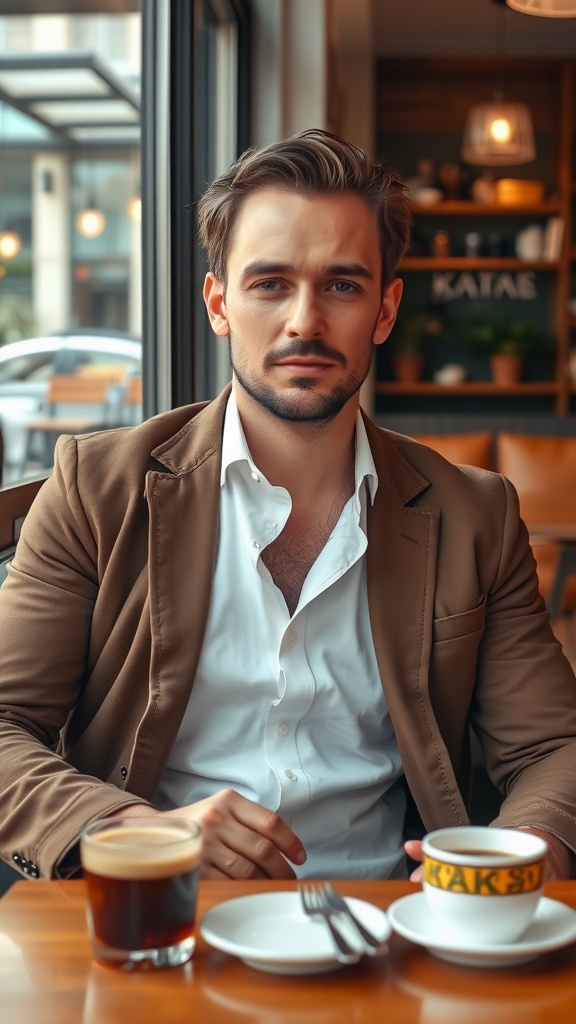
(38, 366)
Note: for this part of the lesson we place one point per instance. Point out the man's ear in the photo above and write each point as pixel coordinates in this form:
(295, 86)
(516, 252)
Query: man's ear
(388, 310)
(213, 293)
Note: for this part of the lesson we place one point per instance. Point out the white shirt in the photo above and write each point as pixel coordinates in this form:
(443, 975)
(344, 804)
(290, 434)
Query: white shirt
(289, 711)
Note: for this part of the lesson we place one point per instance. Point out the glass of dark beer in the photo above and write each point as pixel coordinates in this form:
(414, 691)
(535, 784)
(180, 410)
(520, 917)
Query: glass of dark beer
(141, 879)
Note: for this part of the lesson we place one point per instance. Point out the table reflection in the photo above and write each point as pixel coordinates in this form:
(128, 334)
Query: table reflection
(452, 994)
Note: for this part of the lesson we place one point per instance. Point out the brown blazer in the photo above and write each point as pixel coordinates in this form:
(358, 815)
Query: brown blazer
(103, 614)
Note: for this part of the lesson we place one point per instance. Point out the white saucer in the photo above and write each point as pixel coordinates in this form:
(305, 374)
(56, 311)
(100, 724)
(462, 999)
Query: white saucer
(554, 925)
(271, 932)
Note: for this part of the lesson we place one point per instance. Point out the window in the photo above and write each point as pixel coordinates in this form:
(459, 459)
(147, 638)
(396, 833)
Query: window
(87, 157)
(70, 250)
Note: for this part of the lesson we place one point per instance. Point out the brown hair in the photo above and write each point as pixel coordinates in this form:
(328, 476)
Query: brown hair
(311, 161)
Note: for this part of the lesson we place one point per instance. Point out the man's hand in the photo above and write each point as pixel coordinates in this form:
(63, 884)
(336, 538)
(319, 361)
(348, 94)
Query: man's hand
(413, 849)
(560, 860)
(559, 864)
(241, 839)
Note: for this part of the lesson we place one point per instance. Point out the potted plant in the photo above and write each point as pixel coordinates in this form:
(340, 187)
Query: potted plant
(409, 334)
(507, 342)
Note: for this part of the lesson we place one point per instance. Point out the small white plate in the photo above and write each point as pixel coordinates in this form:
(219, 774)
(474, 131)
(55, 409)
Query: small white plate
(271, 932)
(554, 925)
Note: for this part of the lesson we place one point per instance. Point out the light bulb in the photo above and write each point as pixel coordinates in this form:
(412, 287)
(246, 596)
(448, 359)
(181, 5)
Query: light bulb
(90, 223)
(10, 245)
(501, 129)
(135, 208)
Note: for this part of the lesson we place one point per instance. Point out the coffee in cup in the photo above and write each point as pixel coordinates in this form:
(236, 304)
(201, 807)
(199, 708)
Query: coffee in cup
(141, 879)
(482, 884)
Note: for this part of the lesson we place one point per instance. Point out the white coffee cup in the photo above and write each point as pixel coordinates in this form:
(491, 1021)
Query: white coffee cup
(482, 885)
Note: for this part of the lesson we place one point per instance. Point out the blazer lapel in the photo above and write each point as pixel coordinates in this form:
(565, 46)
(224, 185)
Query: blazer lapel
(401, 575)
(183, 507)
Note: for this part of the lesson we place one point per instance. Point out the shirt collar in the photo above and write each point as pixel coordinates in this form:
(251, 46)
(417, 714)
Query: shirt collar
(235, 449)
(234, 444)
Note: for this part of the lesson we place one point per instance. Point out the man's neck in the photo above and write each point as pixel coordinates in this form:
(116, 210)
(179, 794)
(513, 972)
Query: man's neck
(307, 458)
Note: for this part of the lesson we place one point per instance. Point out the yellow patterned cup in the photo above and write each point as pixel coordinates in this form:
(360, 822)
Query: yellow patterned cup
(482, 885)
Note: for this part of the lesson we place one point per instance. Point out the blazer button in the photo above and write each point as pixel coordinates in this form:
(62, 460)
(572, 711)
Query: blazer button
(16, 858)
(124, 771)
(26, 867)
(34, 873)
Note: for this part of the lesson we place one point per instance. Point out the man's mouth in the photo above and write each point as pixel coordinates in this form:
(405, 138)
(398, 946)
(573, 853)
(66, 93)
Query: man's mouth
(308, 356)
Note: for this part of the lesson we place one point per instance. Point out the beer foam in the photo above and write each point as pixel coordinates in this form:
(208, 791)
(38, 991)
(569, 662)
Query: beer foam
(137, 852)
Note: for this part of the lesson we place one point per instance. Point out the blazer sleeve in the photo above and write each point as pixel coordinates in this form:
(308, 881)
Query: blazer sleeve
(524, 706)
(46, 608)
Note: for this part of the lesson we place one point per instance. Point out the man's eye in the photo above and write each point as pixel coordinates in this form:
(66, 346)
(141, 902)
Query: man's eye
(343, 286)
(267, 286)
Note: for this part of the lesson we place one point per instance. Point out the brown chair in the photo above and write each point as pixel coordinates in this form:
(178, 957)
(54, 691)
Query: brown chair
(14, 504)
(66, 392)
(473, 449)
(132, 399)
(543, 471)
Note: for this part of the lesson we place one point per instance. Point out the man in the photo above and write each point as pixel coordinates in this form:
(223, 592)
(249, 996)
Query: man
(265, 613)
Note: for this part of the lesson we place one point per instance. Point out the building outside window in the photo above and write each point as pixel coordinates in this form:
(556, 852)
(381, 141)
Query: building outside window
(70, 248)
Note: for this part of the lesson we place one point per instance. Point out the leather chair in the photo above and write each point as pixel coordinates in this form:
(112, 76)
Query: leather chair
(543, 471)
(474, 449)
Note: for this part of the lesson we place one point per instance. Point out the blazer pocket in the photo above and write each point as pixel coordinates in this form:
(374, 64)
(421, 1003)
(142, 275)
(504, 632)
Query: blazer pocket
(451, 627)
(452, 675)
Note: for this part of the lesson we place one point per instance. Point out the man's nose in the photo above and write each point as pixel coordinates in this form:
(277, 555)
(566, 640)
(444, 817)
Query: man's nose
(304, 318)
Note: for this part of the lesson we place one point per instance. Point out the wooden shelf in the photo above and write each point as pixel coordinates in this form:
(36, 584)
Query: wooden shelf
(385, 387)
(421, 109)
(467, 208)
(429, 263)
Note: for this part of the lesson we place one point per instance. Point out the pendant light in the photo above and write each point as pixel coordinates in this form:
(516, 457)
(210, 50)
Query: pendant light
(134, 208)
(500, 131)
(545, 8)
(10, 245)
(10, 241)
(90, 222)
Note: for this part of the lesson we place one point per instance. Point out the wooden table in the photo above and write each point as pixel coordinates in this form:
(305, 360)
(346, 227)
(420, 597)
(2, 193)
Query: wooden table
(48, 977)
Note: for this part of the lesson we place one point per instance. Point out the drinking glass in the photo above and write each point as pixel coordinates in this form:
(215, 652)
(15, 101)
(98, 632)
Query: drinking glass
(141, 879)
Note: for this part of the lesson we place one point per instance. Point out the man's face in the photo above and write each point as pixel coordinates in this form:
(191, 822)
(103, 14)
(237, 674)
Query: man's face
(303, 305)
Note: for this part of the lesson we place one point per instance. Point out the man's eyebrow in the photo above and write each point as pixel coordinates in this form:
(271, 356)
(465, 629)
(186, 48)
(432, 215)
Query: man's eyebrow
(260, 268)
(349, 270)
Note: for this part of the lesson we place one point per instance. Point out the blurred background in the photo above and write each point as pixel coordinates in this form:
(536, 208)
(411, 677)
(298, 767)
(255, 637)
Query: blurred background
(114, 114)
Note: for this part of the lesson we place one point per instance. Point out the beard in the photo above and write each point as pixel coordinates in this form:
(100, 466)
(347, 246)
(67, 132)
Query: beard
(300, 402)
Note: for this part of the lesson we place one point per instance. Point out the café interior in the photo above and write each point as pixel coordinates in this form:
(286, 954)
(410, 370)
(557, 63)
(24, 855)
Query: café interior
(113, 116)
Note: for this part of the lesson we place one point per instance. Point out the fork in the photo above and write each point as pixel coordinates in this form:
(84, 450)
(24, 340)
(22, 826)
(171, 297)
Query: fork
(314, 903)
(336, 901)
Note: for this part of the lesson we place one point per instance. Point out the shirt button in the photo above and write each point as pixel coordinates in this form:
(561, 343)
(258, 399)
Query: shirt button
(282, 729)
(290, 775)
(270, 525)
(256, 544)
(255, 477)
(291, 638)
